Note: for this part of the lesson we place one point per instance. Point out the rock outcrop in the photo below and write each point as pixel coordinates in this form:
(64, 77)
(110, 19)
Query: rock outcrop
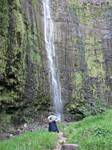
(83, 45)
(23, 75)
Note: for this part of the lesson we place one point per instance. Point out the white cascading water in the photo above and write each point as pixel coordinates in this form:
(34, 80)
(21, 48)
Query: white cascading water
(52, 60)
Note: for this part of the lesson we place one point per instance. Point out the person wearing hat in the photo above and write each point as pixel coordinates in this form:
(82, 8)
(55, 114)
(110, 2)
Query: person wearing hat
(52, 124)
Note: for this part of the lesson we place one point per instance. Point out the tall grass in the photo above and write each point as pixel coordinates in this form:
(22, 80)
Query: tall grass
(38, 140)
(93, 133)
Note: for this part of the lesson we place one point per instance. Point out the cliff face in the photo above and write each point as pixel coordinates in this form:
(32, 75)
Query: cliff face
(23, 81)
(83, 44)
(92, 80)
(83, 40)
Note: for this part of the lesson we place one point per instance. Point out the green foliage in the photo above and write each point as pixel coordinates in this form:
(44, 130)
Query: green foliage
(78, 76)
(87, 12)
(4, 122)
(34, 2)
(94, 56)
(39, 140)
(36, 58)
(3, 33)
(8, 96)
(42, 103)
(89, 84)
(73, 107)
(93, 133)
(85, 109)
(4, 17)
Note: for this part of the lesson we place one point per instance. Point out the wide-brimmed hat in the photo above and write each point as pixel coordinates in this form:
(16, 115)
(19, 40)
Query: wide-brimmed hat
(53, 118)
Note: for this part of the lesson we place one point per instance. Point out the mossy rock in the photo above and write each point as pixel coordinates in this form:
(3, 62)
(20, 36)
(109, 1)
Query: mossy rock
(42, 103)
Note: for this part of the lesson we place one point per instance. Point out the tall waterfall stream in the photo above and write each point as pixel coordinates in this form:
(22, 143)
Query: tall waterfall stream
(52, 59)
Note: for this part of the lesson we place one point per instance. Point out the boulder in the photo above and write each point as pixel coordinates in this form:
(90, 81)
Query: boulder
(69, 147)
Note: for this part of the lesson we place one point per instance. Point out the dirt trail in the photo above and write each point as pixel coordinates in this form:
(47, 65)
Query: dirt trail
(62, 140)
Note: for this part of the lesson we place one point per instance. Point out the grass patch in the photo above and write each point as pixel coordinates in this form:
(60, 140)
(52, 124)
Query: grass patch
(38, 140)
(93, 133)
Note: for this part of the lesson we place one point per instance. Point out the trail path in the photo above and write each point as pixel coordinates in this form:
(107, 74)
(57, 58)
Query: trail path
(62, 140)
(62, 145)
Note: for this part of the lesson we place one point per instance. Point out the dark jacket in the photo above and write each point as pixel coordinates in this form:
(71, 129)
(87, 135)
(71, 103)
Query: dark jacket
(53, 127)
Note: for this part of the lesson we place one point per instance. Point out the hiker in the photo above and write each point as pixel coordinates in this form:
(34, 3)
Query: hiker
(52, 124)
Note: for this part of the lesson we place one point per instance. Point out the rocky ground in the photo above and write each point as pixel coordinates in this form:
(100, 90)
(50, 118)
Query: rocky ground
(18, 130)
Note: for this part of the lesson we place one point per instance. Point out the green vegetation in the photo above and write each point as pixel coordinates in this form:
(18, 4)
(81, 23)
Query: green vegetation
(24, 89)
(89, 81)
(38, 140)
(3, 33)
(93, 133)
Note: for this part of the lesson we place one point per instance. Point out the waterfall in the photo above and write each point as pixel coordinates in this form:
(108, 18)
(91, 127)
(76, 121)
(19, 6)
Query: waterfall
(52, 59)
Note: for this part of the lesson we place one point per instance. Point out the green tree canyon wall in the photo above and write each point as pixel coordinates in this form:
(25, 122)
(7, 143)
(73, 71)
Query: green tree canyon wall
(83, 40)
(23, 81)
